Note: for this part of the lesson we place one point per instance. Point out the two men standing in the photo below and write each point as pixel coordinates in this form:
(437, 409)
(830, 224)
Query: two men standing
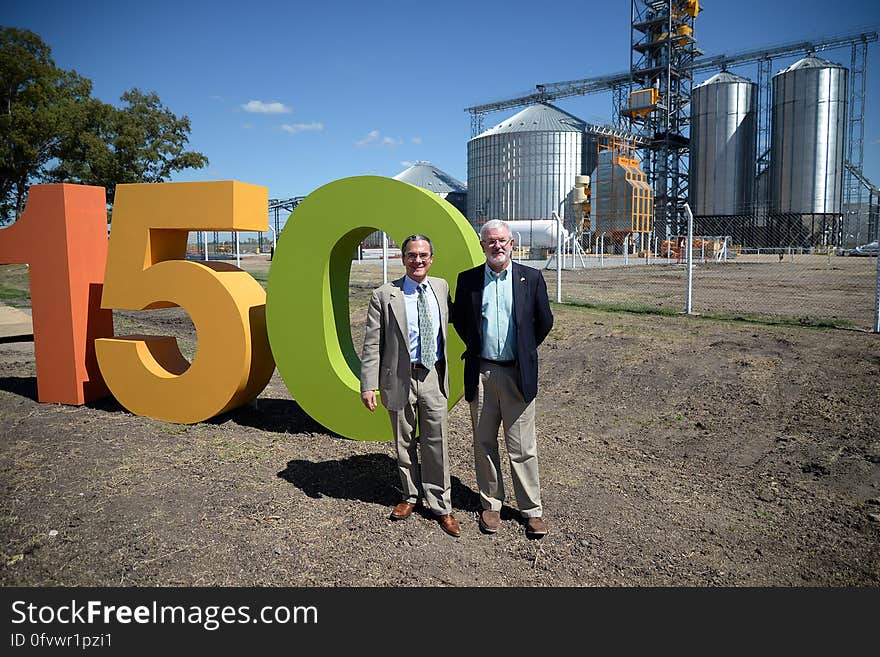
(502, 313)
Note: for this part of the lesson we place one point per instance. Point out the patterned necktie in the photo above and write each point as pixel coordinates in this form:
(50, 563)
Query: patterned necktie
(427, 337)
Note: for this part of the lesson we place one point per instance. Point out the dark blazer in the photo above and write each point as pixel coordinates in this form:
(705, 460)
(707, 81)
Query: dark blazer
(532, 316)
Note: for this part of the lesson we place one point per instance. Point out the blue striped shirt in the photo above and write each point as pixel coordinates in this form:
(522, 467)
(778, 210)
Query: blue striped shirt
(411, 297)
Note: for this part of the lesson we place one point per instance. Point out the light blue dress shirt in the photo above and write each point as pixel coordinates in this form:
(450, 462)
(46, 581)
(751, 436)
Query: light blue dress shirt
(499, 327)
(411, 296)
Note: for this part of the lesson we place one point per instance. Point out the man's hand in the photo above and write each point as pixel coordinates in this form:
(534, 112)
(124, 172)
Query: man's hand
(369, 399)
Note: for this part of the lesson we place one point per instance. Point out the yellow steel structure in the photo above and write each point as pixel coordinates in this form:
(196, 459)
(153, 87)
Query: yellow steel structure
(643, 101)
(637, 194)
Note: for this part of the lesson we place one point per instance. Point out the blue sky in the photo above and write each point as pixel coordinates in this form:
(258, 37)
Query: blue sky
(294, 95)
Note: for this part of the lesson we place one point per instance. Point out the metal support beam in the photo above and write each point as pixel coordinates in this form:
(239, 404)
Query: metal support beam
(765, 109)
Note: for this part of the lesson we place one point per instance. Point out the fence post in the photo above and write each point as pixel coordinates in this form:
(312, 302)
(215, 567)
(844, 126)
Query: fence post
(558, 257)
(274, 240)
(690, 259)
(384, 258)
(877, 299)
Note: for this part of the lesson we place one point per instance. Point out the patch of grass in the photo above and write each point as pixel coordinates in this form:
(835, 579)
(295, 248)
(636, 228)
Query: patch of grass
(639, 309)
(14, 282)
(633, 308)
(808, 322)
(175, 429)
(14, 293)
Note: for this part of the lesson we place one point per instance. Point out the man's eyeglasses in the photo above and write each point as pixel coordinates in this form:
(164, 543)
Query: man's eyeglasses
(498, 242)
(412, 257)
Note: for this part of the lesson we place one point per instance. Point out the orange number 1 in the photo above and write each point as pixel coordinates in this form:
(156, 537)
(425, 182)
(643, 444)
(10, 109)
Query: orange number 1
(62, 235)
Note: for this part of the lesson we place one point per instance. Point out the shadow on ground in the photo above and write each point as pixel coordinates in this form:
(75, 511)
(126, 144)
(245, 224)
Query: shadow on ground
(276, 415)
(368, 478)
(24, 386)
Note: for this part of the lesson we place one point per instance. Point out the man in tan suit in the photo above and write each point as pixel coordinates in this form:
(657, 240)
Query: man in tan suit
(404, 358)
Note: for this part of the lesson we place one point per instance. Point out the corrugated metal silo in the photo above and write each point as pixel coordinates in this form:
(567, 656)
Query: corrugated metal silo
(425, 175)
(724, 111)
(525, 167)
(808, 138)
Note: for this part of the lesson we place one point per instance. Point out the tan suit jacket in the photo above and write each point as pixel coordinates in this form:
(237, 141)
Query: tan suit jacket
(385, 361)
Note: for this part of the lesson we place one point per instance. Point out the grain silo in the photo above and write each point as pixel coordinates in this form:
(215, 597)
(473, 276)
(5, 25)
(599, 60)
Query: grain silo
(807, 152)
(524, 168)
(425, 175)
(721, 189)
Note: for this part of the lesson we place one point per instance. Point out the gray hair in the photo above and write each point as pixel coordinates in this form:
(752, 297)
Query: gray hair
(492, 224)
(415, 238)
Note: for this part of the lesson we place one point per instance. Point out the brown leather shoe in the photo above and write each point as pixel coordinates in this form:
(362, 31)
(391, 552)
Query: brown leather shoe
(450, 525)
(403, 510)
(536, 527)
(490, 521)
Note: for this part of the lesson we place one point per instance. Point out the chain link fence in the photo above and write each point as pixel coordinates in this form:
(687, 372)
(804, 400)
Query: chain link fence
(790, 269)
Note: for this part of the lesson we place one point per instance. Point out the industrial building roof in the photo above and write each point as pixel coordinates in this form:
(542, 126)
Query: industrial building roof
(541, 117)
(427, 176)
(810, 61)
(722, 78)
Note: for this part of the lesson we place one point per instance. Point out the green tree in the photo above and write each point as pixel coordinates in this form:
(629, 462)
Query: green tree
(143, 141)
(52, 130)
(37, 102)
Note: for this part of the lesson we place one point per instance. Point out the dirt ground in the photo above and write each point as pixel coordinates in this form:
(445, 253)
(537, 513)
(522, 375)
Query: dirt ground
(674, 451)
(798, 289)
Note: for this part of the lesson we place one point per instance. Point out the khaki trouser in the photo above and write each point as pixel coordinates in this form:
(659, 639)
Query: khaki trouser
(498, 400)
(422, 422)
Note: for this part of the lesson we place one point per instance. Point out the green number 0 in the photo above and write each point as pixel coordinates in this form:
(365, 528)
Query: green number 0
(307, 313)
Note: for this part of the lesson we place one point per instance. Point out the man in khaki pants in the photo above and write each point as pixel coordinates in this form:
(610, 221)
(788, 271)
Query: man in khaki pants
(502, 313)
(404, 358)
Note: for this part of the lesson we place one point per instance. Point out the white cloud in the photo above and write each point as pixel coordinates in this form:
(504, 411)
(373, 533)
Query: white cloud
(416, 140)
(375, 137)
(259, 107)
(247, 126)
(372, 136)
(301, 127)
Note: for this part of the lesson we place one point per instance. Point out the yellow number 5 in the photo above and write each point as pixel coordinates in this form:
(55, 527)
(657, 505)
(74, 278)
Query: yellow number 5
(146, 269)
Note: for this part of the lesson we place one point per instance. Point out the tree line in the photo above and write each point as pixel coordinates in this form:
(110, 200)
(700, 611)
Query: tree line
(52, 130)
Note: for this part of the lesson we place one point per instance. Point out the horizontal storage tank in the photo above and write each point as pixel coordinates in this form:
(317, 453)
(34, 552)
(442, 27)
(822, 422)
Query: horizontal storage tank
(724, 114)
(808, 138)
(535, 234)
(524, 167)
